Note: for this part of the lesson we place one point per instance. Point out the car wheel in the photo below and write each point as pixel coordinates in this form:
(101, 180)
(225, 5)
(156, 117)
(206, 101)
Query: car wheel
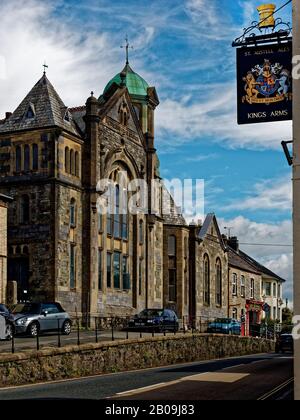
(67, 328)
(33, 329)
(9, 332)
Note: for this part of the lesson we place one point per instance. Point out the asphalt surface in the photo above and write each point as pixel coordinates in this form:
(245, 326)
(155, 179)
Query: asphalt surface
(266, 376)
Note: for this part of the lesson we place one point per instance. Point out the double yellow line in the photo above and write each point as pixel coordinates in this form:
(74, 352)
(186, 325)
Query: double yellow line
(276, 390)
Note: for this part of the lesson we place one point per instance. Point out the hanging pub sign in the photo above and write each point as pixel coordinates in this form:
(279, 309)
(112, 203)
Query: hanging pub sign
(264, 83)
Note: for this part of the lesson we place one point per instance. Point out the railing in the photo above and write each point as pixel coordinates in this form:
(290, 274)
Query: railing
(99, 329)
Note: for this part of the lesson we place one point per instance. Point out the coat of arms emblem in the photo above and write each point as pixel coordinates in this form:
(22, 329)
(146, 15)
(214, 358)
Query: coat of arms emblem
(267, 83)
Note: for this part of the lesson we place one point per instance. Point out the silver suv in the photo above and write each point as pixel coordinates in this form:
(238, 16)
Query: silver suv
(35, 318)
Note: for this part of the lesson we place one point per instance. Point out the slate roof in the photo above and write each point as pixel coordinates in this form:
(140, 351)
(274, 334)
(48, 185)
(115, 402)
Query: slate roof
(173, 215)
(204, 230)
(237, 261)
(260, 267)
(49, 111)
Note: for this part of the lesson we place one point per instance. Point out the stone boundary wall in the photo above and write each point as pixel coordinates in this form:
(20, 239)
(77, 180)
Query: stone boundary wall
(52, 364)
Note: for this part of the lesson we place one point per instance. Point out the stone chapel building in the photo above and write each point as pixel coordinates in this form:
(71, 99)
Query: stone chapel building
(60, 248)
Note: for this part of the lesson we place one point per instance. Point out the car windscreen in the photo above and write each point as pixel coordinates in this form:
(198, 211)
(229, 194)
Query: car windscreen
(150, 313)
(3, 308)
(223, 321)
(27, 308)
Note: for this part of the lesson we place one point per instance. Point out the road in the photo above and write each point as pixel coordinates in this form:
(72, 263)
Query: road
(242, 378)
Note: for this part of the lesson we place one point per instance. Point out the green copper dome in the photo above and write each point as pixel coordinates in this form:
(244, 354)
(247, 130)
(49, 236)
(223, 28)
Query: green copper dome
(135, 84)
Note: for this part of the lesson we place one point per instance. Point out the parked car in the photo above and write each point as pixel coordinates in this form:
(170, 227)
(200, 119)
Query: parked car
(35, 318)
(225, 326)
(9, 319)
(284, 343)
(155, 319)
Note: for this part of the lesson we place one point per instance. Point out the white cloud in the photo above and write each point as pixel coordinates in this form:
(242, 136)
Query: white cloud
(267, 195)
(201, 158)
(214, 117)
(79, 62)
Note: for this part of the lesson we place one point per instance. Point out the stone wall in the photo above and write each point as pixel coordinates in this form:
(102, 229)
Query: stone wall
(93, 359)
(3, 250)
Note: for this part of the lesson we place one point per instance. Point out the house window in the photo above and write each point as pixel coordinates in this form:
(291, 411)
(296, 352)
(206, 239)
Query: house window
(72, 266)
(218, 283)
(206, 277)
(18, 159)
(274, 290)
(125, 273)
(25, 209)
(100, 220)
(73, 213)
(243, 287)
(26, 158)
(99, 269)
(274, 313)
(234, 313)
(125, 227)
(67, 160)
(108, 269)
(35, 157)
(252, 289)
(117, 269)
(172, 268)
(268, 289)
(279, 291)
(234, 284)
(140, 276)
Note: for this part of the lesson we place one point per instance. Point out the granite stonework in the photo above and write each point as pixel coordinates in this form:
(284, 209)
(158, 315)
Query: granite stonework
(120, 356)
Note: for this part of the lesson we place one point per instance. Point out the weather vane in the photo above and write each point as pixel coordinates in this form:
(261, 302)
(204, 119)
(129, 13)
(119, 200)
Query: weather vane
(45, 67)
(127, 47)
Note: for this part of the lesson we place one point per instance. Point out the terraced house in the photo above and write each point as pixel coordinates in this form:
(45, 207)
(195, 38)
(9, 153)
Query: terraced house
(61, 248)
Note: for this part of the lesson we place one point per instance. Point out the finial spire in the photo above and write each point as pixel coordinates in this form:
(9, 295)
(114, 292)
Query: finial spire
(45, 67)
(127, 47)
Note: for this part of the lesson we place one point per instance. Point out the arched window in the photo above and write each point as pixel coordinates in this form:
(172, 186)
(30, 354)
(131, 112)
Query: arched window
(24, 209)
(72, 162)
(117, 224)
(18, 159)
(218, 282)
(35, 157)
(234, 284)
(172, 254)
(26, 158)
(77, 164)
(234, 313)
(206, 278)
(73, 213)
(141, 232)
(67, 160)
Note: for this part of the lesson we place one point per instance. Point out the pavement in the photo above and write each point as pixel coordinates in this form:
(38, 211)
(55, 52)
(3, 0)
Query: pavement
(258, 377)
(23, 343)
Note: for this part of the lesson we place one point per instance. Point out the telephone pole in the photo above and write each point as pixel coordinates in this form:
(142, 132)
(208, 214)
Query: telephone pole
(296, 187)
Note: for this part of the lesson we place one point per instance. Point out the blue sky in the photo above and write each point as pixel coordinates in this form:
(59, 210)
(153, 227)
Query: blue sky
(183, 47)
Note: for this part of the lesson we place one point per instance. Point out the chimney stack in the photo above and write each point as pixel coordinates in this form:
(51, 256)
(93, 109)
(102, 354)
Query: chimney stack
(234, 243)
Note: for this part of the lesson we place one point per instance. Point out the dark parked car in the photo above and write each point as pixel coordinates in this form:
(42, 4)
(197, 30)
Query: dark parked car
(155, 319)
(285, 343)
(9, 319)
(34, 318)
(225, 326)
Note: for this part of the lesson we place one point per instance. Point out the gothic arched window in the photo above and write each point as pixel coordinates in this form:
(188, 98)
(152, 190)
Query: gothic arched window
(77, 164)
(206, 280)
(26, 158)
(73, 213)
(72, 162)
(18, 159)
(35, 157)
(172, 255)
(218, 282)
(117, 218)
(67, 160)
